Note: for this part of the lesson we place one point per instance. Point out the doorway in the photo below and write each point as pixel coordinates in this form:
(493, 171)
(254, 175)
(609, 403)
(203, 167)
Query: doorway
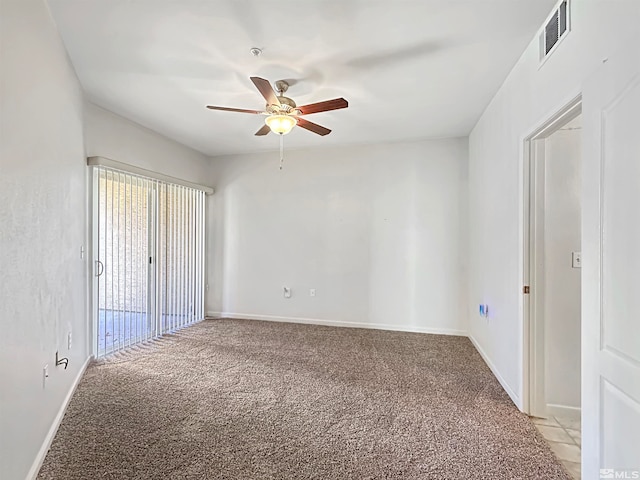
(149, 258)
(553, 278)
(610, 401)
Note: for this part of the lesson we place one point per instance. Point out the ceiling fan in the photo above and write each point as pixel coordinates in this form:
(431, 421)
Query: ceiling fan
(282, 113)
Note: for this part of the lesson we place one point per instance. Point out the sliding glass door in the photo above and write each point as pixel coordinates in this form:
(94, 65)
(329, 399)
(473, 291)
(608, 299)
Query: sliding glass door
(149, 272)
(180, 241)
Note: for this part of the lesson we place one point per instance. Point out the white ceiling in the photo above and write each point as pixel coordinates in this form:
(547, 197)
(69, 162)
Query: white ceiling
(409, 69)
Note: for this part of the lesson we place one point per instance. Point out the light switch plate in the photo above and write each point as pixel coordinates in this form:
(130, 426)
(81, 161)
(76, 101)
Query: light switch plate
(576, 259)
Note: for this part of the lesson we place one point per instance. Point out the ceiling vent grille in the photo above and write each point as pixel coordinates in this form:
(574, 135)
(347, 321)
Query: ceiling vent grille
(555, 29)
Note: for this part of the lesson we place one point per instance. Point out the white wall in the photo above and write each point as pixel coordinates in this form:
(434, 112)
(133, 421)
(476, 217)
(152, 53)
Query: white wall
(43, 226)
(112, 136)
(562, 231)
(43, 213)
(377, 230)
(529, 96)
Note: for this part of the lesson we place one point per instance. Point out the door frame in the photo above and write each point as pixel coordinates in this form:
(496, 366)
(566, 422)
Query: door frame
(94, 269)
(533, 398)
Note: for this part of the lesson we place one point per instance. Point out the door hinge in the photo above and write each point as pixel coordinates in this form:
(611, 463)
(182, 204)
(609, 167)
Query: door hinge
(525, 289)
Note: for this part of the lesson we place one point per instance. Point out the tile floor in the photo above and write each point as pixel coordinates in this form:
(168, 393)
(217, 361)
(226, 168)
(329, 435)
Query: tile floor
(564, 437)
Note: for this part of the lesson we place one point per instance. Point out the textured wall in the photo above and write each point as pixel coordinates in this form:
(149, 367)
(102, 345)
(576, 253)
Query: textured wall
(377, 230)
(112, 136)
(43, 226)
(529, 96)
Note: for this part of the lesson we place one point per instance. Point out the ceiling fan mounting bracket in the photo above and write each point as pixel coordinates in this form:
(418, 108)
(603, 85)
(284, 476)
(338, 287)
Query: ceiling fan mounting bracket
(282, 86)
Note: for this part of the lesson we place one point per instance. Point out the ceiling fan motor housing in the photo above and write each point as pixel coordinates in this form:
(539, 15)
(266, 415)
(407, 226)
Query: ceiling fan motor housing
(287, 106)
(287, 101)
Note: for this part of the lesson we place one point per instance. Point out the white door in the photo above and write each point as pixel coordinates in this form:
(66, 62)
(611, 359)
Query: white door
(611, 269)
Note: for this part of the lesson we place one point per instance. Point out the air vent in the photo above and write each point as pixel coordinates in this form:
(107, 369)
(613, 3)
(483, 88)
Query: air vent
(556, 28)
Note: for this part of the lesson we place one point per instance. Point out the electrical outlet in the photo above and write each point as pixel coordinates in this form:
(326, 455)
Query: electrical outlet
(312, 292)
(287, 292)
(69, 341)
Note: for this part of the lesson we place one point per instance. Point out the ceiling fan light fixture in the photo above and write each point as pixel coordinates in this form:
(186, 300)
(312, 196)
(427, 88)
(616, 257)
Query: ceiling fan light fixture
(280, 124)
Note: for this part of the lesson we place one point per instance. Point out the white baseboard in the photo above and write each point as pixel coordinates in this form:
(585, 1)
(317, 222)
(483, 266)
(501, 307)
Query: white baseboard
(42, 453)
(515, 398)
(563, 411)
(338, 323)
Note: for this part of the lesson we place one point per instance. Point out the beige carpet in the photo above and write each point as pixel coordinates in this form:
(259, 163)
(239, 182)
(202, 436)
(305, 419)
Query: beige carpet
(237, 399)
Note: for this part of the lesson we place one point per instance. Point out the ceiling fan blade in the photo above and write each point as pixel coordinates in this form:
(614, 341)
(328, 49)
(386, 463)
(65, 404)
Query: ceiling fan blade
(313, 127)
(266, 90)
(263, 131)
(240, 110)
(325, 106)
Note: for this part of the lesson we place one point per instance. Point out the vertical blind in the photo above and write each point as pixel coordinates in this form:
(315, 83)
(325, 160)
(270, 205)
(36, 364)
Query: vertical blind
(180, 255)
(150, 258)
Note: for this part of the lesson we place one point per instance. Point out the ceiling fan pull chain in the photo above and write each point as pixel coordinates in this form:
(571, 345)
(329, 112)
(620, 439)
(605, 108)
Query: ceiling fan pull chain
(281, 150)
